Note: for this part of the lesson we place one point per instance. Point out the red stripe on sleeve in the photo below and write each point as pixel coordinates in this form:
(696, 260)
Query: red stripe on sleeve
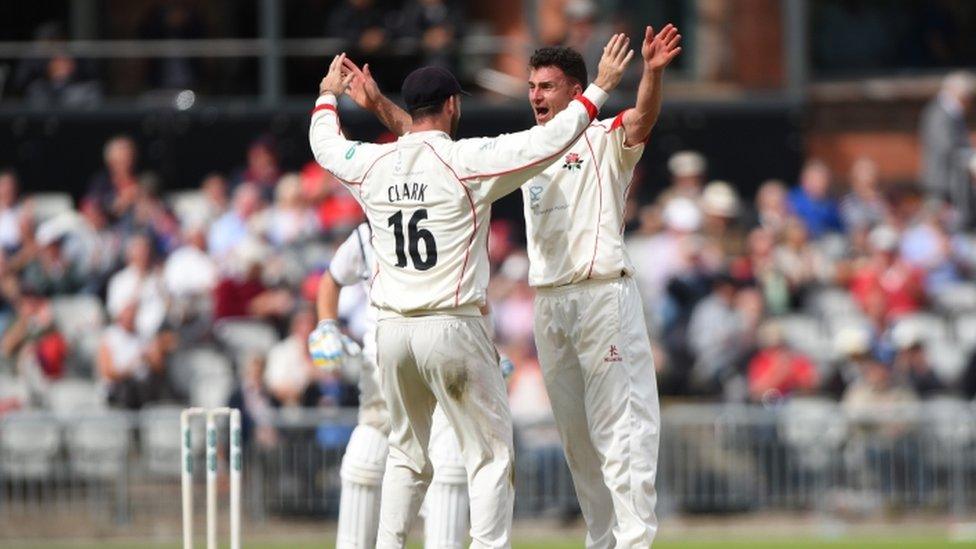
(590, 107)
(325, 107)
(618, 122)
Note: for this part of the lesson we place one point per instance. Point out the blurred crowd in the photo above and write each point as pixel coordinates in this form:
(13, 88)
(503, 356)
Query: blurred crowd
(835, 285)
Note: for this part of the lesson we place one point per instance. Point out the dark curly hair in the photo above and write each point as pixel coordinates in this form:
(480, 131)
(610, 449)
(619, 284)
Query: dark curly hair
(566, 59)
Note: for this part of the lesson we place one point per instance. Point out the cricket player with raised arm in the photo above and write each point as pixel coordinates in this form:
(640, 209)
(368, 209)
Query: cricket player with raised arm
(589, 326)
(363, 464)
(427, 200)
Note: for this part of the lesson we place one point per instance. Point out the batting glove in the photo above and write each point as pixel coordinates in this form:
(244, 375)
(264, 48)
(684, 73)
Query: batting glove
(325, 345)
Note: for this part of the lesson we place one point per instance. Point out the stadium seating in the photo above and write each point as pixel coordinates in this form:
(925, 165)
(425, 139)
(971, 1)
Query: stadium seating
(29, 444)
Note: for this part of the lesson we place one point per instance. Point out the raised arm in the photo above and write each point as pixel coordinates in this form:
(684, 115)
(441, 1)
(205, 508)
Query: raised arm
(366, 93)
(494, 167)
(658, 51)
(347, 160)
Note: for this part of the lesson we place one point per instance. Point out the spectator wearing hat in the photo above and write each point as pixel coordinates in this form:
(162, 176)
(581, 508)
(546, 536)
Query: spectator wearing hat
(687, 169)
(674, 252)
(810, 200)
(720, 228)
(853, 346)
(49, 270)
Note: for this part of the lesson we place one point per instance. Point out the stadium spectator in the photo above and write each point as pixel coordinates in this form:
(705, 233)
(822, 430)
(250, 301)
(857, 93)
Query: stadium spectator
(759, 267)
(720, 334)
(262, 169)
(884, 279)
(876, 387)
(63, 86)
(772, 206)
(95, 245)
(214, 189)
(289, 372)
(121, 364)
(232, 228)
(16, 221)
(943, 134)
(513, 309)
(660, 257)
(776, 371)
(49, 270)
(911, 363)
(437, 25)
(865, 205)
(34, 345)
(253, 400)
(190, 276)
(289, 220)
(723, 238)
(244, 293)
(363, 25)
(172, 21)
(687, 170)
(116, 187)
(139, 282)
(799, 262)
(853, 346)
(337, 210)
(810, 200)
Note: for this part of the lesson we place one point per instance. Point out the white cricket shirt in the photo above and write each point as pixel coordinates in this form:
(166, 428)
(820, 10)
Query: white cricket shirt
(574, 210)
(428, 200)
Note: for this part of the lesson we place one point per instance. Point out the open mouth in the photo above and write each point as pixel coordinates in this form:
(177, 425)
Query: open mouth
(541, 112)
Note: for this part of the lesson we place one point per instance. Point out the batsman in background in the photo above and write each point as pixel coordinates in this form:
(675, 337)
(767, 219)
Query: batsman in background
(428, 199)
(589, 326)
(446, 505)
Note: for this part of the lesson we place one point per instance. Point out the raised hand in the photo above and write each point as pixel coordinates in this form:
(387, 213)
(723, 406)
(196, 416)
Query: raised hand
(336, 80)
(660, 49)
(616, 55)
(362, 89)
(326, 346)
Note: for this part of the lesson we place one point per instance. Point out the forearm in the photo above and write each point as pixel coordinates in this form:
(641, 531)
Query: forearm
(639, 120)
(392, 116)
(327, 301)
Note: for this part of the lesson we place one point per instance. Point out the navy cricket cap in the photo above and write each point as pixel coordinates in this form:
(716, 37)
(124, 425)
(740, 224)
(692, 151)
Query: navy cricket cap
(428, 86)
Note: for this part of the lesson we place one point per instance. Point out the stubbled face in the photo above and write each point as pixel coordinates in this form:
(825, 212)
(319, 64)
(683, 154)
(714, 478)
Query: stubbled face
(550, 91)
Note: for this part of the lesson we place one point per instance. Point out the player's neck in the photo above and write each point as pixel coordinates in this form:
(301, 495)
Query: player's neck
(432, 123)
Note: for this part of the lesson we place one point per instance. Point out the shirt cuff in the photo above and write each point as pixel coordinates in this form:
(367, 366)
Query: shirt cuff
(596, 95)
(328, 99)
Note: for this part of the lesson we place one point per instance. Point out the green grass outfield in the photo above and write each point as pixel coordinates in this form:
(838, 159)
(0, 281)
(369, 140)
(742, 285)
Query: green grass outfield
(853, 543)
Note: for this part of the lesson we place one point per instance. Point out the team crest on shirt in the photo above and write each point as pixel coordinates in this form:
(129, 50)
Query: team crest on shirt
(613, 355)
(573, 162)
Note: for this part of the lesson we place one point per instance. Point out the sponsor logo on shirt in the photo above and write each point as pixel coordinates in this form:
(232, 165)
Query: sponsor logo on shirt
(613, 355)
(535, 195)
(573, 162)
(352, 150)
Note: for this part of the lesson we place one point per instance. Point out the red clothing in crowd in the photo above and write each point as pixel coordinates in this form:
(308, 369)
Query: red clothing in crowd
(233, 297)
(898, 288)
(781, 370)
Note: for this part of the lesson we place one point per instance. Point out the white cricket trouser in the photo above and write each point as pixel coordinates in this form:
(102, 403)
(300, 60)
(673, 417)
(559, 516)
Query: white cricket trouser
(446, 360)
(596, 361)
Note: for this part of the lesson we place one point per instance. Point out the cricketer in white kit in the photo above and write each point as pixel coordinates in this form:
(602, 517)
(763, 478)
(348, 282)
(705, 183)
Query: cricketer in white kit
(427, 199)
(590, 333)
(446, 504)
